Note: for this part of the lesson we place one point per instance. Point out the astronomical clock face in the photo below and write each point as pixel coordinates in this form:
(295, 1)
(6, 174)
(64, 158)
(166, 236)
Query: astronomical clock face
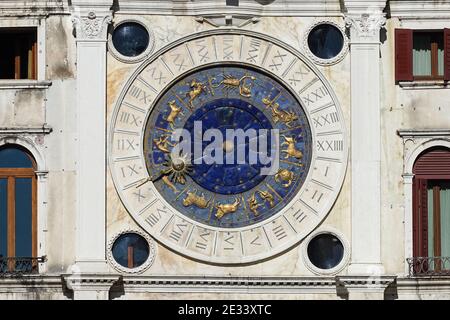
(228, 148)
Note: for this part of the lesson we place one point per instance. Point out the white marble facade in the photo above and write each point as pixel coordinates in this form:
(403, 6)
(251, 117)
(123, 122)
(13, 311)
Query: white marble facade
(66, 117)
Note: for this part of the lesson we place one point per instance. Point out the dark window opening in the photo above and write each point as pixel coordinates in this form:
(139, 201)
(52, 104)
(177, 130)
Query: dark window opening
(130, 39)
(18, 53)
(325, 41)
(325, 251)
(130, 250)
(428, 55)
(422, 55)
(232, 3)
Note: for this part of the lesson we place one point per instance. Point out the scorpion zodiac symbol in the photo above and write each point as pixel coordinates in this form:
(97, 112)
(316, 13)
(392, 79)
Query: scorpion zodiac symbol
(229, 82)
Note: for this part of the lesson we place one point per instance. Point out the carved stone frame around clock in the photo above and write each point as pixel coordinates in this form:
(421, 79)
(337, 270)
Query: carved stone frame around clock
(158, 218)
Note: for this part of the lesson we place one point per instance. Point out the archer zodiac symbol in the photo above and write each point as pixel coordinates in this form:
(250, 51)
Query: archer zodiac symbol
(197, 89)
(175, 111)
(223, 209)
(280, 115)
(291, 150)
(229, 82)
(284, 175)
(198, 201)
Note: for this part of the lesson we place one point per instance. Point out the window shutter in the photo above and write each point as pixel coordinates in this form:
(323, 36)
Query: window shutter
(403, 55)
(447, 54)
(420, 215)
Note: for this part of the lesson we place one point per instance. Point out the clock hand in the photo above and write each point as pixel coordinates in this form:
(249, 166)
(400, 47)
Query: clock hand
(152, 179)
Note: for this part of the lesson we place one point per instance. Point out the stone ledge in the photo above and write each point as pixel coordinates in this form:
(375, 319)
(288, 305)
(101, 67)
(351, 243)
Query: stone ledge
(423, 85)
(26, 130)
(24, 84)
(423, 133)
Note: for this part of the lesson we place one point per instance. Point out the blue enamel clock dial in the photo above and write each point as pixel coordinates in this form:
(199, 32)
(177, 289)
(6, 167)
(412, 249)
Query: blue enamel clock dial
(232, 99)
(225, 114)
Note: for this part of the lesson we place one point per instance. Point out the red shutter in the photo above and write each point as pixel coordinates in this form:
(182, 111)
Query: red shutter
(403, 55)
(447, 54)
(433, 164)
(420, 214)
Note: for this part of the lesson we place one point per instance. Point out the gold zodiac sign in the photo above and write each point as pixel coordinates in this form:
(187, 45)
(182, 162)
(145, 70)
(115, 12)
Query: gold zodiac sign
(266, 196)
(198, 201)
(280, 115)
(163, 144)
(291, 150)
(253, 204)
(223, 209)
(229, 82)
(169, 183)
(177, 169)
(175, 111)
(197, 89)
(175, 172)
(284, 175)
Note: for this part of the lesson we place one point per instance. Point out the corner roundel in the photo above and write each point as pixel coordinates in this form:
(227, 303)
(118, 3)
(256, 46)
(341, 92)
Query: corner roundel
(226, 206)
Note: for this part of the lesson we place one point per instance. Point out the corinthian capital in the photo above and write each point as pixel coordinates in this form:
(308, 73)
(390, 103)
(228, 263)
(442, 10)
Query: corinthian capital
(366, 25)
(92, 26)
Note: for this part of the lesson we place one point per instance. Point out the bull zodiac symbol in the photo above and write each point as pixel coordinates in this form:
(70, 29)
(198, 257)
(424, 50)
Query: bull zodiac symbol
(193, 199)
(229, 82)
(223, 209)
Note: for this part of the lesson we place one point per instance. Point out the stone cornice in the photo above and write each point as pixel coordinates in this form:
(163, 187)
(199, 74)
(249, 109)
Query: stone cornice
(359, 7)
(423, 133)
(32, 6)
(90, 282)
(246, 7)
(323, 284)
(419, 9)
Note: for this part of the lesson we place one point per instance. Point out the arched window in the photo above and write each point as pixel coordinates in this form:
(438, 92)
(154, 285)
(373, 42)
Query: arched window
(431, 209)
(18, 225)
